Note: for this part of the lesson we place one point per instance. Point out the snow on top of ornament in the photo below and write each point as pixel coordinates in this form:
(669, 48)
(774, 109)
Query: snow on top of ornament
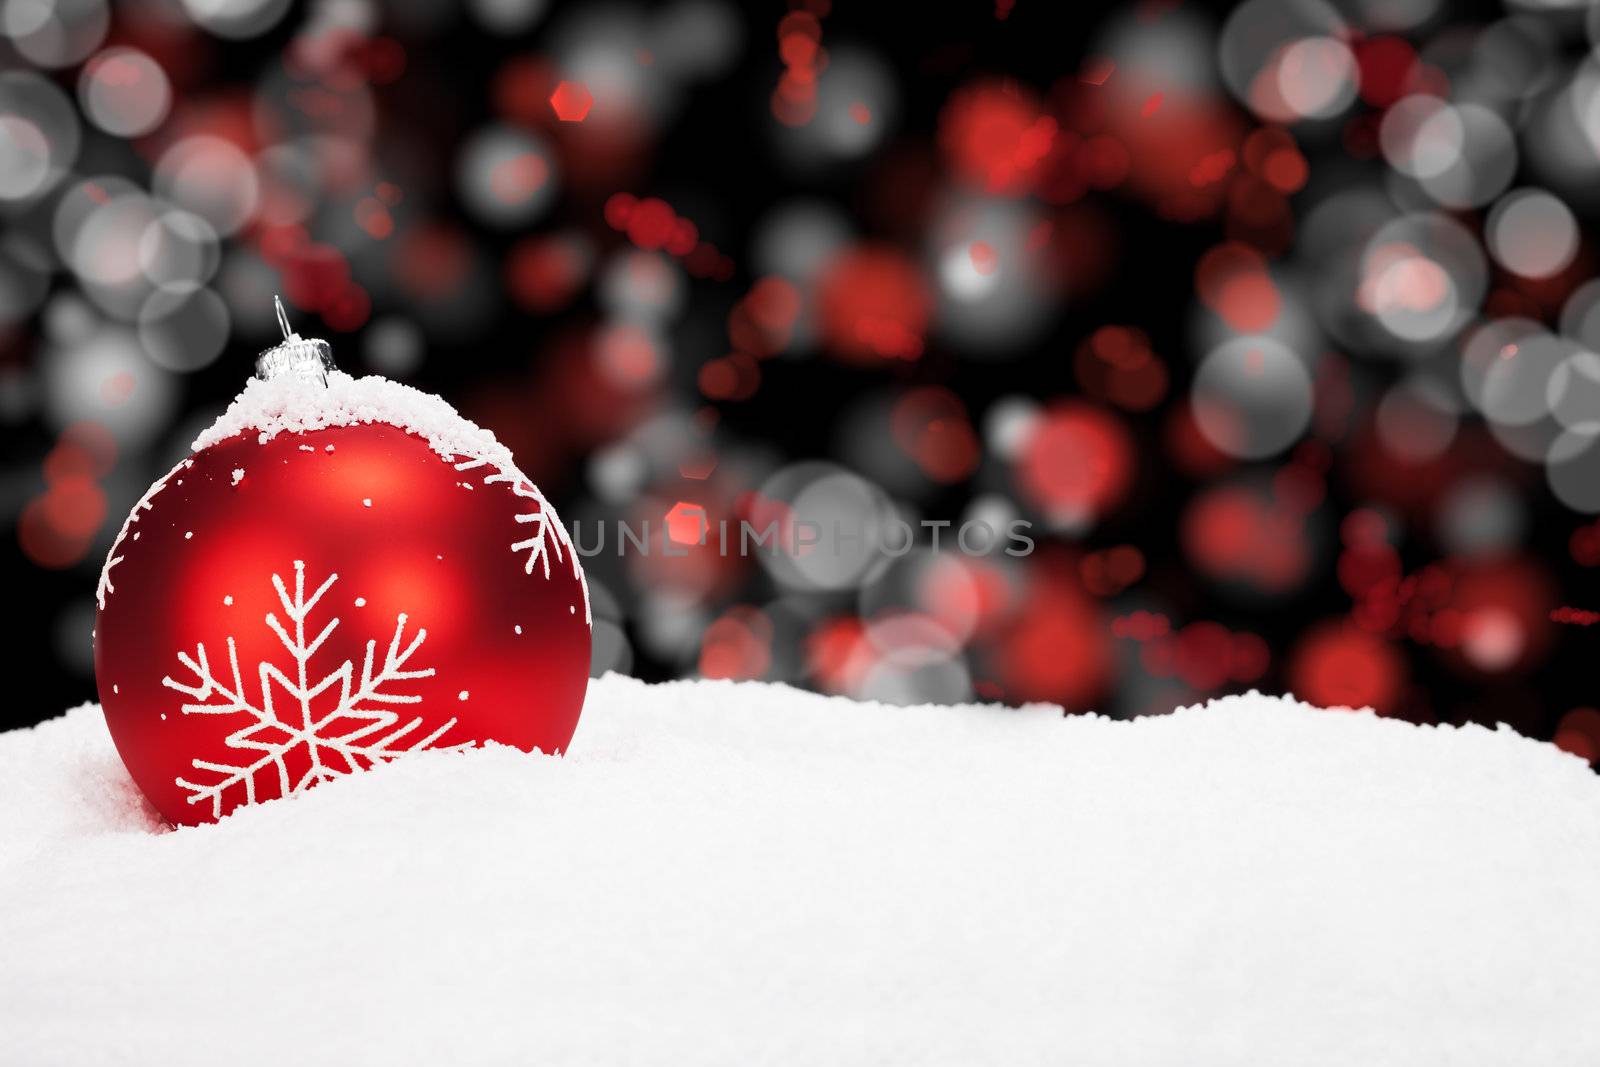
(288, 404)
(291, 404)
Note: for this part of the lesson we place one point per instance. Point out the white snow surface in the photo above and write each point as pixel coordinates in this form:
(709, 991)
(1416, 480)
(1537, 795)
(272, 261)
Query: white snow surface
(288, 404)
(751, 875)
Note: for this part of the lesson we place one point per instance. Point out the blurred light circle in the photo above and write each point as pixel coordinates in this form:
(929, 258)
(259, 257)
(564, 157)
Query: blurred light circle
(1532, 233)
(1076, 464)
(1485, 346)
(856, 105)
(1009, 423)
(939, 586)
(74, 636)
(1415, 421)
(24, 157)
(1528, 441)
(38, 135)
(695, 38)
(1380, 16)
(961, 275)
(798, 238)
(1572, 468)
(995, 294)
(183, 331)
(1492, 639)
(124, 91)
(69, 320)
(914, 665)
(1580, 315)
(393, 345)
(845, 515)
(1513, 59)
(1481, 515)
(630, 356)
(641, 285)
(505, 176)
(1574, 392)
(55, 33)
(617, 473)
(211, 177)
(179, 251)
(1257, 38)
(1421, 276)
(609, 649)
(1412, 296)
(1252, 397)
(1484, 162)
(236, 19)
(23, 283)
(1316, 77)
(1422, 136)
(107, 379)
(508, 16)
(292, 179)
(1516, 386)
(105, 250)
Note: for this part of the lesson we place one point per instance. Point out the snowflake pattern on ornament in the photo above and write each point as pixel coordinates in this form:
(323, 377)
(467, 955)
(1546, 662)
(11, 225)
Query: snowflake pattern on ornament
(549, 536)
(146, 503)
(356, 733)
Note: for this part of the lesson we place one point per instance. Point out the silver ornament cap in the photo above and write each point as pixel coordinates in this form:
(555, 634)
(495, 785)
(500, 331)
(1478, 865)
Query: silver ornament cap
(307, 358)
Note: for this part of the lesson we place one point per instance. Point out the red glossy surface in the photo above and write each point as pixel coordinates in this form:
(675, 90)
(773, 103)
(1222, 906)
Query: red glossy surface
(509, 649)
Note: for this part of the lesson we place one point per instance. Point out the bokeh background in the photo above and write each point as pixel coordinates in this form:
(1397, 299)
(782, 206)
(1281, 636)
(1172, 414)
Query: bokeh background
(1277, 320)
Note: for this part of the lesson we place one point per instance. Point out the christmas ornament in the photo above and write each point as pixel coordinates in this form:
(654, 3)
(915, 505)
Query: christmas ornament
(344, 573)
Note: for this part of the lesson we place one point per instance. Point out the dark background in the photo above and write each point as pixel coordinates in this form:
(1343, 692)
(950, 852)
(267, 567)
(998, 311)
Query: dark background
(717, 160)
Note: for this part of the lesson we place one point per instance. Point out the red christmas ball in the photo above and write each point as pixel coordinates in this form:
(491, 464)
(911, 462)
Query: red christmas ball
(340, 576)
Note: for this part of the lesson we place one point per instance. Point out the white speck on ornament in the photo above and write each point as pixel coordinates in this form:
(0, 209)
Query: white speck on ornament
(115, 690)
(517, 628)
(361, 601)
(188, 535)
(136, 535)
(163, 716)
(328, 449)
(238, 475)
(307, 448)
(572, 609)
(462, 695)
(366, 501)
(228, 600)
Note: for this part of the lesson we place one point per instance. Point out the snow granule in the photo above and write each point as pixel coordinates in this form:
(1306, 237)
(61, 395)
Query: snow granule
(287, 404)
(238, 475)
(723, 874)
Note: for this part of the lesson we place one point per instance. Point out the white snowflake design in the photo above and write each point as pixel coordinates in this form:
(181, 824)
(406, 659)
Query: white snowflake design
(549, 538)
(146, 502)
(361, 730)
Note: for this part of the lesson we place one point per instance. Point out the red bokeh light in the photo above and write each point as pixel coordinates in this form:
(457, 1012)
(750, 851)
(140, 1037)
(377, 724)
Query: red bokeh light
(1232, 280)
(737, 646)
(996, 136)
(873, 303)
(571, 101)
(1337, 665)
(1076, 464)
(686, 523)
(543, 273)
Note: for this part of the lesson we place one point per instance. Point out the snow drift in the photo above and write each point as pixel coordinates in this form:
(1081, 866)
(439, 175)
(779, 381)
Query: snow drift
(747, 874)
